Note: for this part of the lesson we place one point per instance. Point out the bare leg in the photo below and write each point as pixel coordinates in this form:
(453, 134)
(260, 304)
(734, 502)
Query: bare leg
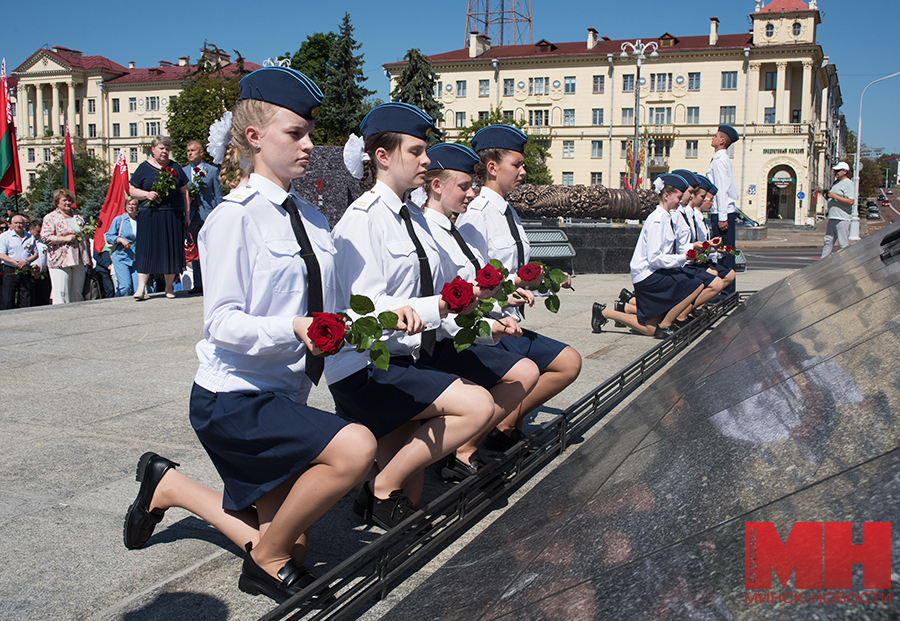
(512, 389)
(631, 308)
(553, 380)
(647, 329)
(143, 279)
(170, 278)
(680, 308)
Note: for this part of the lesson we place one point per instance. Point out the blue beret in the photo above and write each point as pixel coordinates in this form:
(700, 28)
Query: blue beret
(729, 131)
(283, 87)
(676, 181)
(688, 176)
(705, 183)
(452, 156)
(398, 117)
(499, 136)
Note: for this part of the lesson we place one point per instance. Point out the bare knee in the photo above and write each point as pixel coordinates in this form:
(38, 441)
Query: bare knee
(351, 450)
(524, 372)
(567, 364)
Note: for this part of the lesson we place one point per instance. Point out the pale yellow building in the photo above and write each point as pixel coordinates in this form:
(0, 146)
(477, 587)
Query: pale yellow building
(773, 84)
(108, 107)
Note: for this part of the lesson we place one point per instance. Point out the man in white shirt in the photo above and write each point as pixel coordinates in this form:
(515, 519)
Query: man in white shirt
(17, 253)
(840, 198)
(723, 209)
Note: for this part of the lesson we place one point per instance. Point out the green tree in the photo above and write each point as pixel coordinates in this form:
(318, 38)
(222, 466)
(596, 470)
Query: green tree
(415, 86)
(313, 59)
(871, 177)
(91, 183)
(342, 109)
(850, 143)
(536, 171)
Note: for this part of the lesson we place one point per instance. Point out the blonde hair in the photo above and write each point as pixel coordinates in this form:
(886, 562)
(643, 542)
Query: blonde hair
(445, 175)
(238, 161)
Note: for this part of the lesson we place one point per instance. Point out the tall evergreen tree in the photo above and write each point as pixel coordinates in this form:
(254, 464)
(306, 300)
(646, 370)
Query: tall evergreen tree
(536, 171)
(91, 183)
(342, 109)
(313, 59)
(415, 86)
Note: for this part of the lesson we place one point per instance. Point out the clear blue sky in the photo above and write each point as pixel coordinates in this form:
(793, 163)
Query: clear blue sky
(858, 37)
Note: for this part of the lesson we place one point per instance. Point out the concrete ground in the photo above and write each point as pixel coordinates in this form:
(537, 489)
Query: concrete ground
(87, 388)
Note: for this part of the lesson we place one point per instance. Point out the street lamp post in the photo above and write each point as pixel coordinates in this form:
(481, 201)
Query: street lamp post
(854, 217)
(650, 145)
(637, 50)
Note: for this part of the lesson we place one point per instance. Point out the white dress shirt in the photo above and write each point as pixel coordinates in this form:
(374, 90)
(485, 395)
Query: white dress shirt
(683, 219)
(654, 250)
(721, 173)
(254, 284)
(377, 258)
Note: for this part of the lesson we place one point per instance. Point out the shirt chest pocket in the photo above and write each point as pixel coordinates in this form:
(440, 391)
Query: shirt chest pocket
(289, 268)
(401, 263)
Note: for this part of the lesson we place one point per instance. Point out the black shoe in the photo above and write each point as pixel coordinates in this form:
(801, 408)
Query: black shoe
(292, 578)
(196, 290)
(140, 520)
(699, 313)
(453, 469)
(663, 333)
(597, 318)
(498, 441)
(619, 305)
(625, 295)
(678, 324)
(385, 513)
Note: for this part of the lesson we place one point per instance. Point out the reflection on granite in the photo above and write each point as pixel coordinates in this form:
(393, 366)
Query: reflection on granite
(645, 518)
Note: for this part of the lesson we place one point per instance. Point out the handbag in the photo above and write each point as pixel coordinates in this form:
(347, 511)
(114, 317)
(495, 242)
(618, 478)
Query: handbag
(190, 249)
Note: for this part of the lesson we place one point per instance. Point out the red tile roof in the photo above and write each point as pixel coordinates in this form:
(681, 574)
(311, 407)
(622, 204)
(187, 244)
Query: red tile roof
(785, 6)
(76, 61)
(579, 48)
(169, 73)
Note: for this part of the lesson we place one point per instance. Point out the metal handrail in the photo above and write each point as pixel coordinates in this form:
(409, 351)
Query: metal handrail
(374, 570)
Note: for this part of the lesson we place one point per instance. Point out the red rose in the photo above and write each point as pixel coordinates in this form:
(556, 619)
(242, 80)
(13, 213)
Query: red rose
(327, 332)
(706, 245)
(196, 169)
(691, 254)
(716, 241)
(529, 272)
(458, 294)
(173, 173)
(728, 249)
(488, 277)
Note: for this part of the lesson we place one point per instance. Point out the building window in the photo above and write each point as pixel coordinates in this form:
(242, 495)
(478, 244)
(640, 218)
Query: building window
(152, 103)
(460, 88)
(92, 105)
(92, 130)
(30, 155)
(538, 117)
(132, 154)
(770, 30)
(660, 116)
(132, 130)
(628, 83)
(132, 104)
(796, 28)
(570, 85)
(508, 87)
(460, 119)
(770, 116)
(32, 177)
(91, 153)
(597, 178)
(692, 149)
(597, 116)
(771, 80)
(596, 149)
(484, 88)
(115, 105)
(599, 84)
(77, 106)
(693, 116)
(660, 82)
(694, 81)
(78, 130)
(795, 116)
(115, 130)
(726, 114)
(627, 116)
(116, 154)
(152, 128)
(569, 118)
(568, 149)
(729, 80)
(624, 152)
(568, 178)
(438, 90)
(507, 115)
(47, 155)
(538, 86)
(482, 115)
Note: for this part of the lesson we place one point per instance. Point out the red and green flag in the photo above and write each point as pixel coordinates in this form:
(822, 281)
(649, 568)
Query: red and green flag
(10, 177)
(68, 170)
(114, 203)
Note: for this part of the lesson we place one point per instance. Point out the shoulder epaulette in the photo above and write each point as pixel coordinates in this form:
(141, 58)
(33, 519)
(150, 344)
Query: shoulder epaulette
(241, 194)
(365, 201)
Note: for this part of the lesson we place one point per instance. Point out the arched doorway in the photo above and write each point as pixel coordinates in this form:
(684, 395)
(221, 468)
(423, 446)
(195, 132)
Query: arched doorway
(781, 193)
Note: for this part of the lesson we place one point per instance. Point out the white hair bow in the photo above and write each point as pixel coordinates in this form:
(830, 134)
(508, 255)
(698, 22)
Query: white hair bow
(354, 155)
(219, 138)
(658, 184)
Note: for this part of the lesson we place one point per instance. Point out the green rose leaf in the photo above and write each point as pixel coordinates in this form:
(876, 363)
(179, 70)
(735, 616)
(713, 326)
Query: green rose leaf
(380, 356)
(361, 305)
(484, 329)
(542, 288)
(368, 326)
(365, 342)
(558, 276)
(464, 338)
(465, 321)
(388, 319)
(552, 302)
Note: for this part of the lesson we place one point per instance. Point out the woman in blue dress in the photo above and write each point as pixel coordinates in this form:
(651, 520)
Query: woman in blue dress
(122, 240)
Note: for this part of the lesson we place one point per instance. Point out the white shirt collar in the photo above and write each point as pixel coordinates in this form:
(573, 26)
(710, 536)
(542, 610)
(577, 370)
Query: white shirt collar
(438, 218)
(494, 197)
(269, 189)
(387, 195)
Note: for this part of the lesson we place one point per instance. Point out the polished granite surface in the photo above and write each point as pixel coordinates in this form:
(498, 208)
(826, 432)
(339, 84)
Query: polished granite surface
(786, 412)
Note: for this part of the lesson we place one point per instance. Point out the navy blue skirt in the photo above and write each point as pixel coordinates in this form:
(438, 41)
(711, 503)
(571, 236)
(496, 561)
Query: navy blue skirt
(257, 441)
(161, 250)
(385, 400)
(540, 349)
(723, 271)
(484, 365)
(662, 290)
(698, 271)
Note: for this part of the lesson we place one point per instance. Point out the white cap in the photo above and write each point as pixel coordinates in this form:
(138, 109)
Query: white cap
(842, 166)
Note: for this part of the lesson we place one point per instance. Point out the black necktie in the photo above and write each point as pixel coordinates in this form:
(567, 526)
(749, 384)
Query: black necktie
(520, 247)
(426, 284)
(464, 246)
(693, 231)
(314, 364)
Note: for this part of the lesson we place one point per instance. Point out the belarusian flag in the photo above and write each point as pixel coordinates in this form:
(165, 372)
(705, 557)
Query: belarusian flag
(114, 203)
(68, 171)
(10, 178)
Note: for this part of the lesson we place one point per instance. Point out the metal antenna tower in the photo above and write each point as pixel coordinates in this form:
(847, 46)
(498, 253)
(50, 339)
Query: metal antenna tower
(506, 22)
